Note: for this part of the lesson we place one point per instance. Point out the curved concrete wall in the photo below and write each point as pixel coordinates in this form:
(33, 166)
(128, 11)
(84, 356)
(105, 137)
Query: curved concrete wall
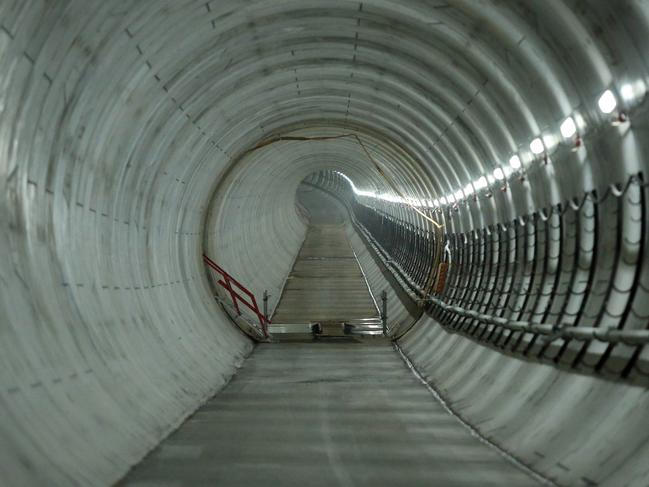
(575, 429)
(253, 225)
(110, 336)
(123, 121)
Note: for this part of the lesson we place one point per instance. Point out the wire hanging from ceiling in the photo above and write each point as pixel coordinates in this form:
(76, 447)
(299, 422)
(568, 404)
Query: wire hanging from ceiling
(377, 166)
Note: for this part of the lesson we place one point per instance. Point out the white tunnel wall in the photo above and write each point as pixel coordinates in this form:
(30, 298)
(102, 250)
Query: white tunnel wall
(575, 429)
(109, 334)
(253, 224)
(123, 122)
(249, 217)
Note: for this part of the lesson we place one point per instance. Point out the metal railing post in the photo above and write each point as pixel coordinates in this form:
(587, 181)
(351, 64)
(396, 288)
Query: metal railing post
(233, 294)
(384, 312)
(266, 296)
(227, 281)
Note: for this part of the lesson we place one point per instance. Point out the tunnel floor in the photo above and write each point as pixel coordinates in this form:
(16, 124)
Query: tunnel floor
(326, 282)
(330, 413)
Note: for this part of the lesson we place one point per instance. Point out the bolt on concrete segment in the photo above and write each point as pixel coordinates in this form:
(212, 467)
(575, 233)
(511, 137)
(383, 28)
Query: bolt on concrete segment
(325, 414)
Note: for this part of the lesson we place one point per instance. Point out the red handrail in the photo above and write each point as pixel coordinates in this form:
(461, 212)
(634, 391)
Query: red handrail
(237, 298)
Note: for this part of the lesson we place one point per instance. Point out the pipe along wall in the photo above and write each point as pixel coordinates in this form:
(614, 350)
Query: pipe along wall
(126, 131)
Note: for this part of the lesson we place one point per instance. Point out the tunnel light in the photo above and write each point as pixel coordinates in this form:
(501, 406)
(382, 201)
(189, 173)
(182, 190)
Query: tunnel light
(490, 179)
(390, 198)
(499, 174)
(515, 162)
(458, 195)
(381, 196)
(450, 198)
(411, 201)
(443, 200)
(359, 192)
(537, 146)
(468, 189)
(436, 203)
(607, 102)
(550, 142)
(568, 128)
(631, 92)
(627, 92)
(481, 183)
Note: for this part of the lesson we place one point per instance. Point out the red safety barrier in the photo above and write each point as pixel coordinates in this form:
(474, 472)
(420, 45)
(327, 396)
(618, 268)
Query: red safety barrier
(440, 282)
(227, 282)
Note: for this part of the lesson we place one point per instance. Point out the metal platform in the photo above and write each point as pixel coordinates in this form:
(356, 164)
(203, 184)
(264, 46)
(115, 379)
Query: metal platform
(358, 327)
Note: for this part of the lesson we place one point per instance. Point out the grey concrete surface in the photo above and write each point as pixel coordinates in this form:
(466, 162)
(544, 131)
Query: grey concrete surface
(325, 414)
(577, 430)
(124, 126)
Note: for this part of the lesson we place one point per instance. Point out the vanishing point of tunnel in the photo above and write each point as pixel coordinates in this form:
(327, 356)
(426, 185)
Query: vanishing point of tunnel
(324, 243)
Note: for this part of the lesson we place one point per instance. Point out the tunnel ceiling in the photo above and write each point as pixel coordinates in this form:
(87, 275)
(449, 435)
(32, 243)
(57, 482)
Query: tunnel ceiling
(127, 128)
(458, 86)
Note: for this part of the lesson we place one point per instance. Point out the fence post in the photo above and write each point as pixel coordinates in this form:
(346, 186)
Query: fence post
(233, 295)
(384, 312)
(266, 296)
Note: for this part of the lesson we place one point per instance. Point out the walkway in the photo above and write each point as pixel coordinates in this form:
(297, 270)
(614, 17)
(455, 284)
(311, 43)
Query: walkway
(326, 282)
(325, 414)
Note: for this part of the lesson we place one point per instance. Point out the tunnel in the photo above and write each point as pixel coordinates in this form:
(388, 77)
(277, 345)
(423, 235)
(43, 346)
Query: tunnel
(324, 242)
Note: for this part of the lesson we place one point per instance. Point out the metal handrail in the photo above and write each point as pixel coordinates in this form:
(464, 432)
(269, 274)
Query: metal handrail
(227, 282)
(551, 331)
(510, 281)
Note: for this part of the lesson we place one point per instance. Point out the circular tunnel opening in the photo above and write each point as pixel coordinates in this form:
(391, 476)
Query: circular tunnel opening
(490, 158)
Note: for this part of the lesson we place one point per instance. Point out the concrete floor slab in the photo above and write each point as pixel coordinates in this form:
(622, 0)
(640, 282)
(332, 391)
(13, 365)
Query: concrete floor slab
(325, 414)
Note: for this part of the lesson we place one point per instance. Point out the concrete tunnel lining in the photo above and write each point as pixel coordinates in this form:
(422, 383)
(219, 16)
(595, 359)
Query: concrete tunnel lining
(123, 120)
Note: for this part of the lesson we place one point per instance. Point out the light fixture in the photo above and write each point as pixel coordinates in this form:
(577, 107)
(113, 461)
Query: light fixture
(537, 146)
(458, 195)
(550, 141)
(627, 91)
(499, 174)
(450, 198)
(490, 179)
(568, 128)
(515, 162)
(607, 102)
(468, 189)
(436, 203)
(443, 200)
(633, 92)
(481, 183)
